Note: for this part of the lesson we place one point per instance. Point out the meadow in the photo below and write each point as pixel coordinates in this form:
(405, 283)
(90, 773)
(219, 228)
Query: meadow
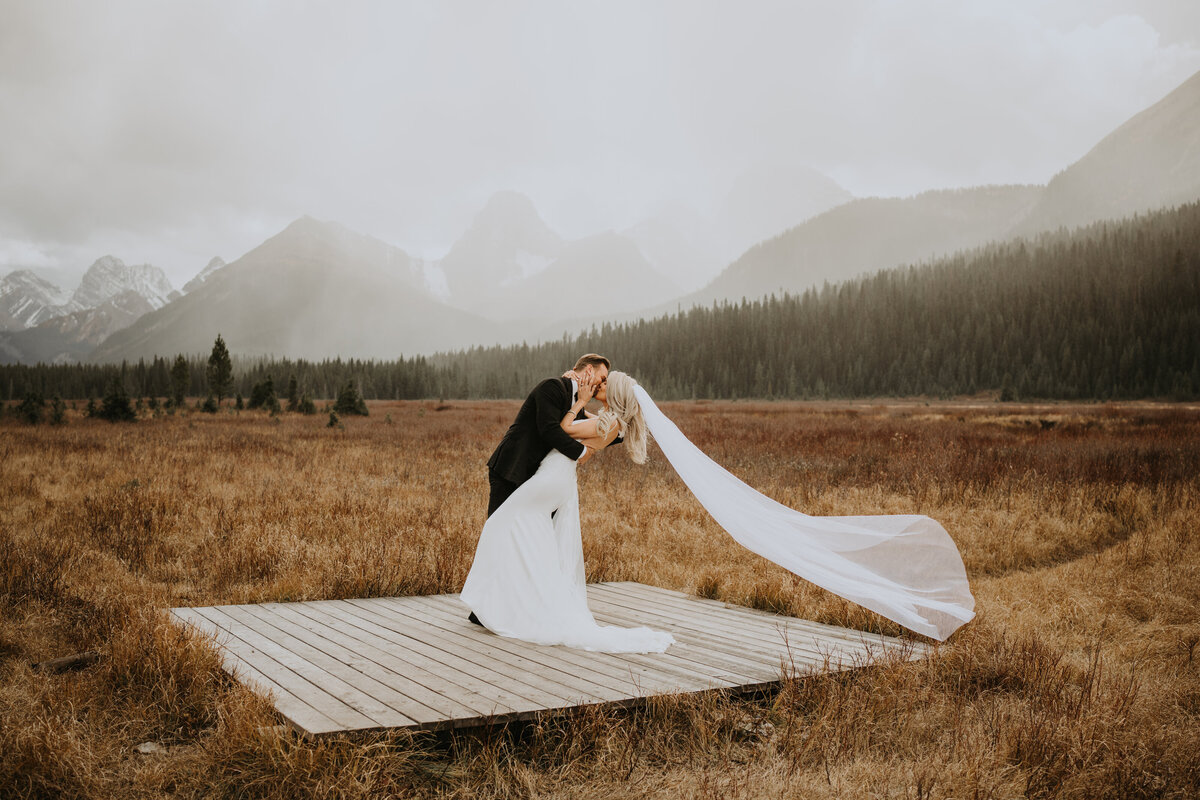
(1079, 678)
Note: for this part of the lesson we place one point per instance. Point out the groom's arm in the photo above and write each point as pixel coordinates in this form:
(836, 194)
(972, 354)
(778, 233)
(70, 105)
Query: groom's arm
(550, 402)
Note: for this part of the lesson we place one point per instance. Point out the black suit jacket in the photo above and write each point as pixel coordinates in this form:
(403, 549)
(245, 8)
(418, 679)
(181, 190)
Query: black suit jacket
(536, 430)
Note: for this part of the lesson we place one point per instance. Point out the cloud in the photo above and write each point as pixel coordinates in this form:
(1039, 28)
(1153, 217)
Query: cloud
(171, 132)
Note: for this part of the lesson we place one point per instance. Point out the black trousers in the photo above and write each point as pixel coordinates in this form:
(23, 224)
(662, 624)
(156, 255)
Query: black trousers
(499, 490)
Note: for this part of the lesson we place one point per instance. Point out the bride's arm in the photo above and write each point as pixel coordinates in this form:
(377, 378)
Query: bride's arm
(587, 431)
(599, 443)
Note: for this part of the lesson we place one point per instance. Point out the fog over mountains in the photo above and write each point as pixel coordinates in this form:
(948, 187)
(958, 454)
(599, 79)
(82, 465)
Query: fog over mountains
(318, 289)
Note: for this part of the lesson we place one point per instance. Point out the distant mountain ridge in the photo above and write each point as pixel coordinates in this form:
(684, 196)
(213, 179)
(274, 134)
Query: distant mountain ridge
(510, 267)
(1150, 162)
(42, 326)
(870, 234)
(316, 289)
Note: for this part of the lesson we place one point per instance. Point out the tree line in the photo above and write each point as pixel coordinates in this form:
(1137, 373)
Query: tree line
(1111, 311)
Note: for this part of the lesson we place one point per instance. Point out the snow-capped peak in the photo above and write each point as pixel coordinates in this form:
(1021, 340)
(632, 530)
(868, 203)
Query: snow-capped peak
(26, 300)
(110, 276)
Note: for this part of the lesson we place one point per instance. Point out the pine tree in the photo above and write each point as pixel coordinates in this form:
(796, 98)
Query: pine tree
(181, 378)
(58, 411)
(220, 370)
(293, 393)
(31, 408)
(349, 401)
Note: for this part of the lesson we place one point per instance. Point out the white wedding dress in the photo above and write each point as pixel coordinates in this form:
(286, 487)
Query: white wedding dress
(527, 581)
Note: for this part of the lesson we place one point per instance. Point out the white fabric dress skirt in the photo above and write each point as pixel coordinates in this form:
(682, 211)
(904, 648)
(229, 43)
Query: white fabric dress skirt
(528, 582)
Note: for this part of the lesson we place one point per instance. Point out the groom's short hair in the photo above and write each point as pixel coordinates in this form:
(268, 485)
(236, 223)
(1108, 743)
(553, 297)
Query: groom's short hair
(591, 359)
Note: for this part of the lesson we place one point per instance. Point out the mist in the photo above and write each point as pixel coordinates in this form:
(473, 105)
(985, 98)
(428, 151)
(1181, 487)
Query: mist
(171, 133)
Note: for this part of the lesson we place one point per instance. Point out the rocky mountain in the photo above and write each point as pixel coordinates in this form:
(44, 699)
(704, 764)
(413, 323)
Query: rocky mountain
(510, 267)
(201, 276)
(315, 290)
(1151, 161)
(71, 337)
(871, 234)
(506, 244)
(42, 325)
(599, 275)
(26, 300)
(110, 276)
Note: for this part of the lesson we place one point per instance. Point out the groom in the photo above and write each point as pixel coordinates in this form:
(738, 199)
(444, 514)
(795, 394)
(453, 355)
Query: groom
(536, 429)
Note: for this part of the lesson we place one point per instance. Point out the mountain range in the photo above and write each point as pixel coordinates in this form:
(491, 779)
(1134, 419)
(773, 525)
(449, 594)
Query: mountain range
(318, 289)
(39, 322)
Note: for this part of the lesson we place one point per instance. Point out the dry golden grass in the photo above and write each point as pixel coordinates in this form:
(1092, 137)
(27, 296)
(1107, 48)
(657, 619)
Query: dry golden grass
(1079, 678)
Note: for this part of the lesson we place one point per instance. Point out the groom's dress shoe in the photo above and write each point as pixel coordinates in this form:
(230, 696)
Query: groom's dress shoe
(474, 619)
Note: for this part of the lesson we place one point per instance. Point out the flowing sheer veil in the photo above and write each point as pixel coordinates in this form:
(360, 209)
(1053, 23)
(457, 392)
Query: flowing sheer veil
(904, 567)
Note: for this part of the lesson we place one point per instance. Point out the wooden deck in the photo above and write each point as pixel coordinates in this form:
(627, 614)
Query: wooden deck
(416, 662)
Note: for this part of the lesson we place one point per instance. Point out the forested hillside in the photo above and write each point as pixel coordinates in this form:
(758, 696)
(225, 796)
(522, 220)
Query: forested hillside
(1108, 311)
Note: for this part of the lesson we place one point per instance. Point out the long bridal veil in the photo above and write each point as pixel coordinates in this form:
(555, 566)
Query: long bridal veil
(904, 567)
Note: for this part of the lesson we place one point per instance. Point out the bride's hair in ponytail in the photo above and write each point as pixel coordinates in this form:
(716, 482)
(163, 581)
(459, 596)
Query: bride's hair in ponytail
(625, 407)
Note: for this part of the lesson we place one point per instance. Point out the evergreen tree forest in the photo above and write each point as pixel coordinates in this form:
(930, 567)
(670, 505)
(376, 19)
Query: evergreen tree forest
(1111, 311)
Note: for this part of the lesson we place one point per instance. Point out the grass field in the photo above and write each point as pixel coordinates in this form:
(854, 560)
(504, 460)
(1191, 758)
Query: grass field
(1080, 677)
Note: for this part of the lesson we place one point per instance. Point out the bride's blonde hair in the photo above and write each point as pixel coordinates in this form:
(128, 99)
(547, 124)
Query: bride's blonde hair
(623, 402)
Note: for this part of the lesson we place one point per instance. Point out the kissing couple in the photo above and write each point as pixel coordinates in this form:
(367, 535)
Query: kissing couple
(527, 580)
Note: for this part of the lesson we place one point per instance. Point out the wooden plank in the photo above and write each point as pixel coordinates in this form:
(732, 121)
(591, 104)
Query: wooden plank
(394, 689)
(691, 643)
(298, 713)
(367, 713)
(667, 670)
(499, 671)
(286, 670)
(768, 628)
(415, 673)
(701, 652)
(824, 630)
(460, 686)
(579, 689)
(673, 662)
(344, 683)
(856, 647)
(764, 631)
(723, 632)
(607, 668)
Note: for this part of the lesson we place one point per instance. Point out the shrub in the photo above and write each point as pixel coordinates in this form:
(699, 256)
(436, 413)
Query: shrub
(349, 401)
(31, 408)
(263, 396)
(307, 406)
(58, 411)
(210, 405)
(116, 406)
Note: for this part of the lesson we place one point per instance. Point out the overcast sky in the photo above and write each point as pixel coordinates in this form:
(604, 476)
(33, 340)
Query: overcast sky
(170, 132)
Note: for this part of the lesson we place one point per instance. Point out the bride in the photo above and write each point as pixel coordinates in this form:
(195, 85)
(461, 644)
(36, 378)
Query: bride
(527, 581)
